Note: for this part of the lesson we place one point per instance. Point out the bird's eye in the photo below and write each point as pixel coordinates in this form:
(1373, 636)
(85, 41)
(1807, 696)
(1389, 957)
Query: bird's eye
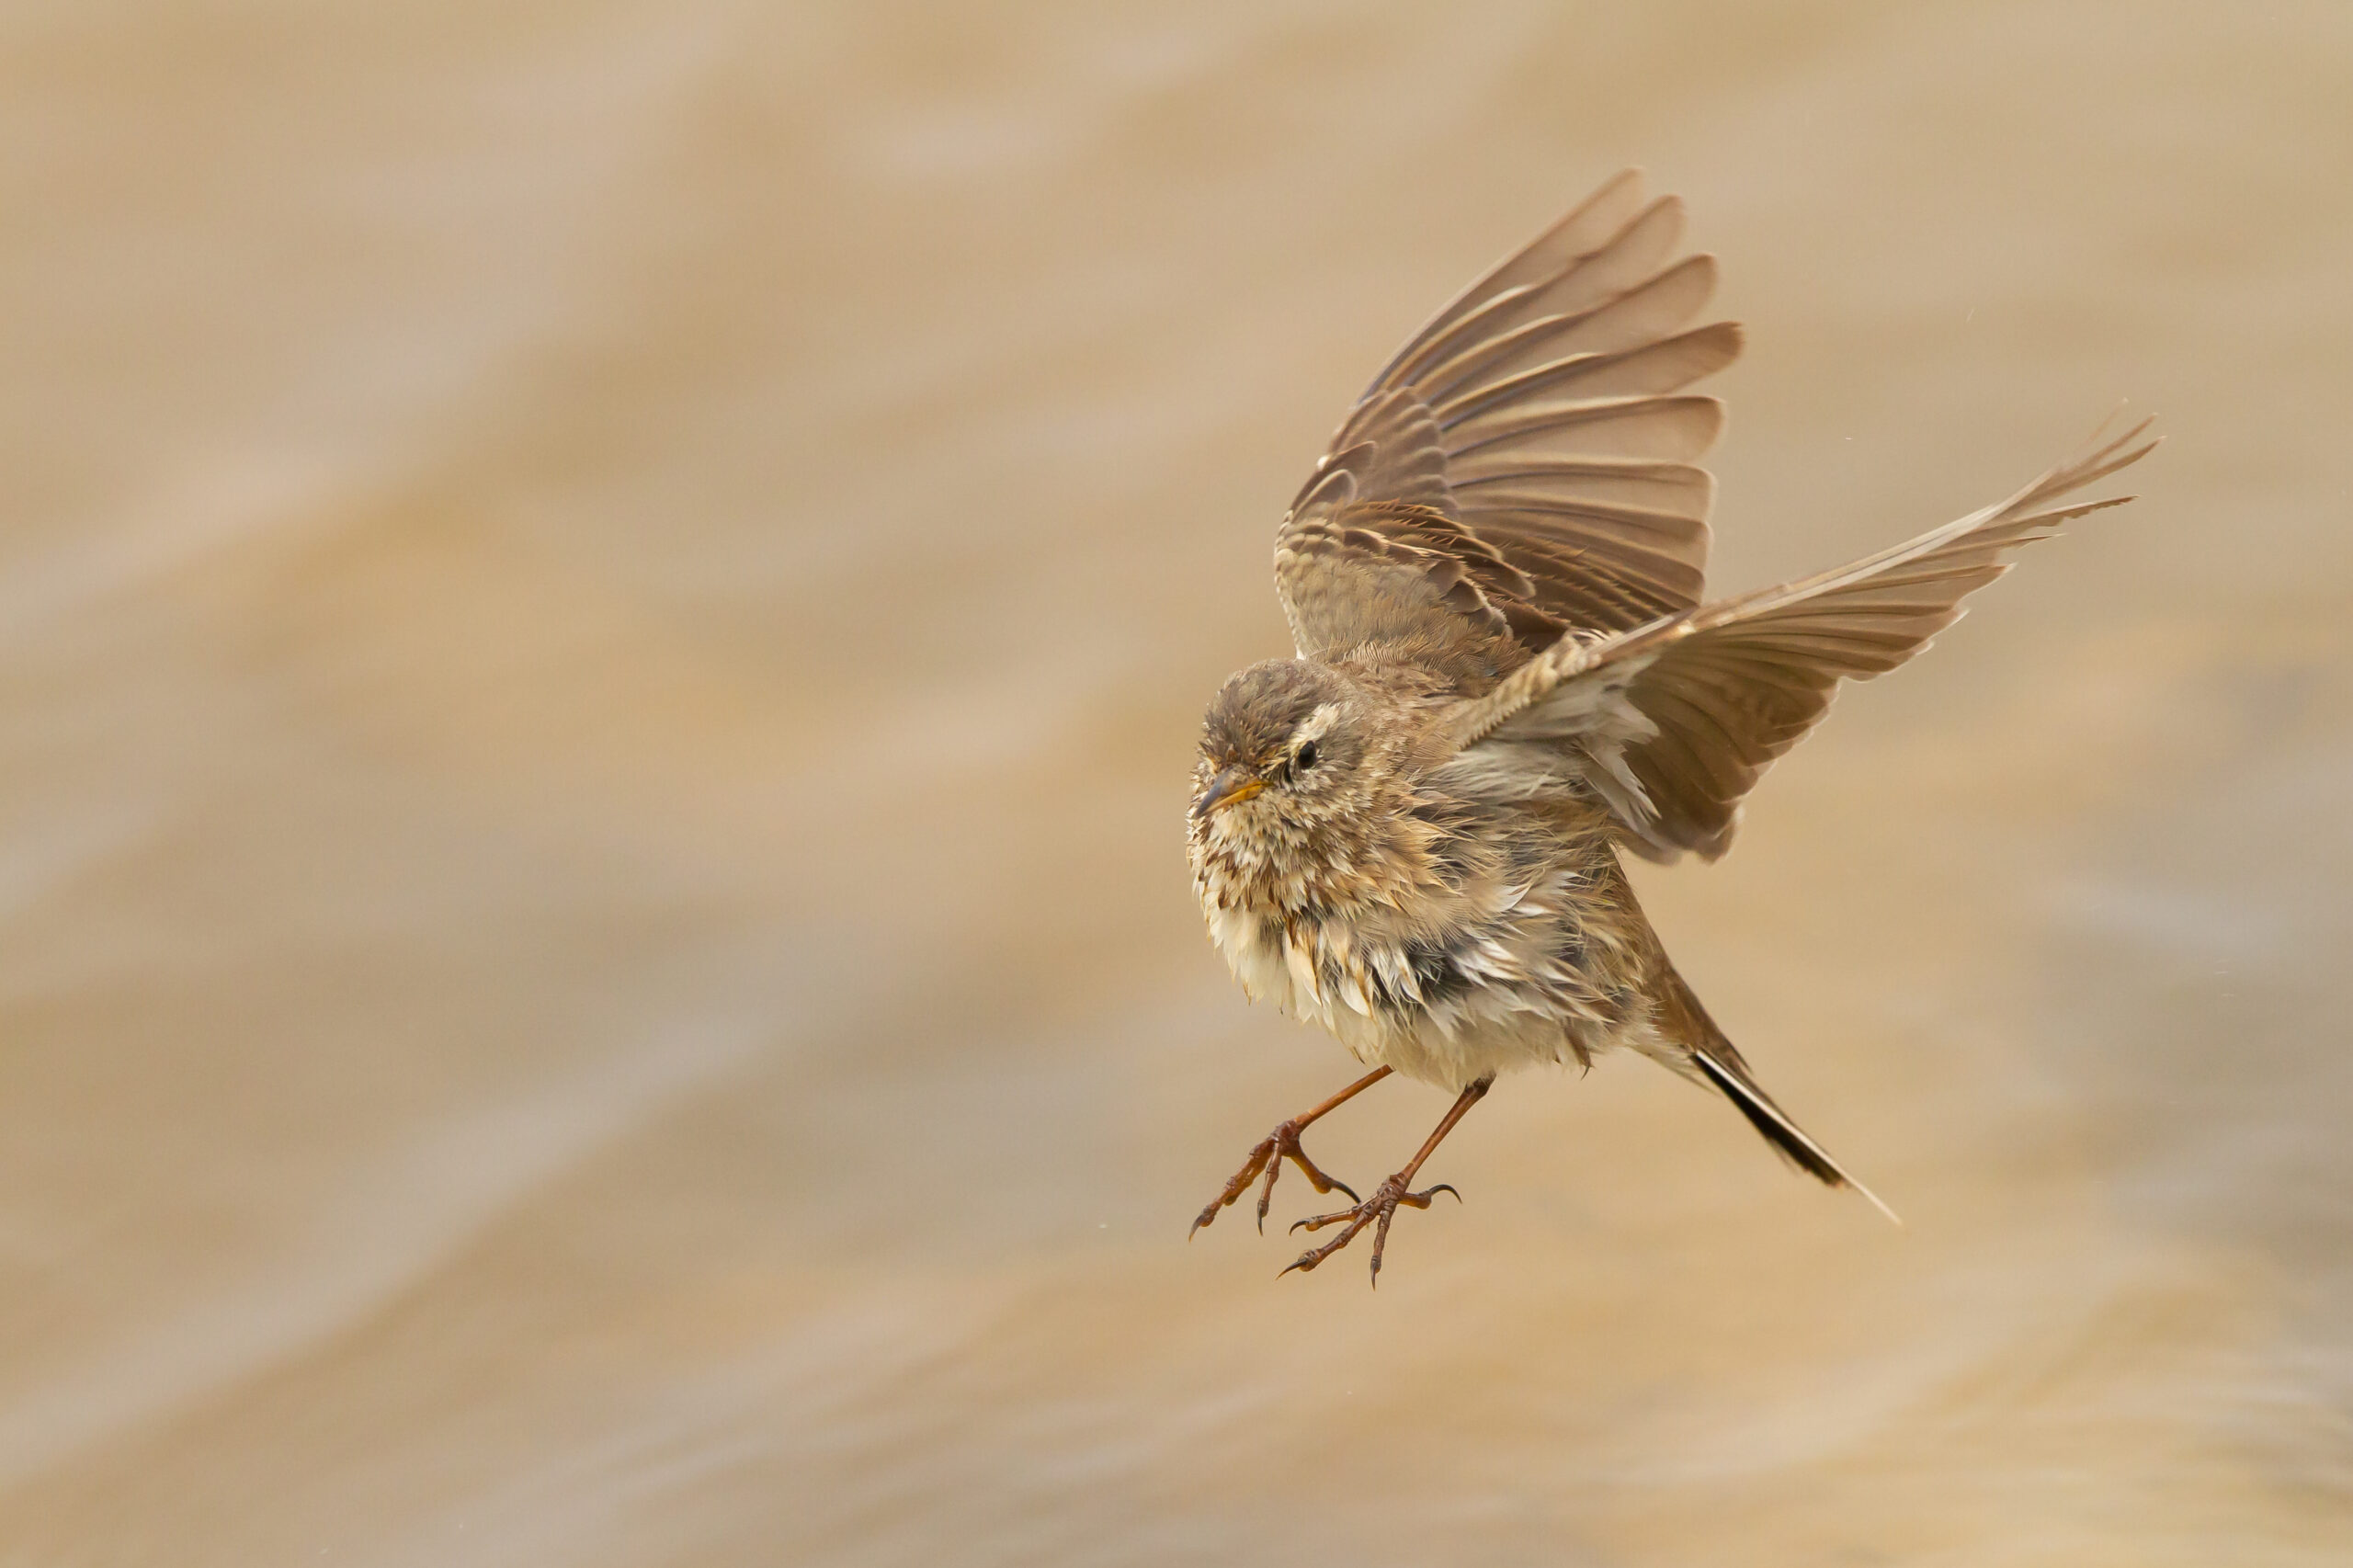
(1306, 759)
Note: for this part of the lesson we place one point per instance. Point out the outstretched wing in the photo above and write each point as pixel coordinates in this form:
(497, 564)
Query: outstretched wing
(1523, 466)
(1673, 722)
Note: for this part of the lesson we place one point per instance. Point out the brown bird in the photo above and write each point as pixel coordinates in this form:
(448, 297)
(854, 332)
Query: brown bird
(1506, 675)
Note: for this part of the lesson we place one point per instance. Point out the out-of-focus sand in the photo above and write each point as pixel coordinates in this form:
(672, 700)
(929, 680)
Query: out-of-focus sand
(602, 617)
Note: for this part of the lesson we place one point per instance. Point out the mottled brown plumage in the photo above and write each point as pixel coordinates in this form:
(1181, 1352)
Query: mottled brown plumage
(1505, 674)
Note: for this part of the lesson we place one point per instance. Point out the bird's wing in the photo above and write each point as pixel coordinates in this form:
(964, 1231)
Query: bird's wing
(1524, 466)
(1673, 722)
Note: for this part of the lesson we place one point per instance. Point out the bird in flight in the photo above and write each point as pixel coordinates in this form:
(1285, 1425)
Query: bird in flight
(1506, 673)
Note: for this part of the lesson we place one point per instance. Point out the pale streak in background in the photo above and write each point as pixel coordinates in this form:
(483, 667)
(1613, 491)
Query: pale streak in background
(601, 616)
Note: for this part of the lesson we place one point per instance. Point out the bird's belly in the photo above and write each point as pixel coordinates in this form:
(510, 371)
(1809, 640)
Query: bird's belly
(1489, 1047)
(1442, 1026)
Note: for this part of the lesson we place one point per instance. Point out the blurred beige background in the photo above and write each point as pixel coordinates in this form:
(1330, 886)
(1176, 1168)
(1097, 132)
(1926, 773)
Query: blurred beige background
(603, 611)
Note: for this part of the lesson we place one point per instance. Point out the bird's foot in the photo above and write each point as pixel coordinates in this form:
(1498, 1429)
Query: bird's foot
(1281, 1144)
(1377, 1210)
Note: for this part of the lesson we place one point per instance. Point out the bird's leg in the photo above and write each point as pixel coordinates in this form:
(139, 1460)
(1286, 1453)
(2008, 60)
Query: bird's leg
(1282, 1145)
(1381, 1207)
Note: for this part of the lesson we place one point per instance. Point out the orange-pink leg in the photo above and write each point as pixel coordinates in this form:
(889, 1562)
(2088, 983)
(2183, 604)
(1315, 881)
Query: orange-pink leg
(1381, 1207)
(1282, 1145)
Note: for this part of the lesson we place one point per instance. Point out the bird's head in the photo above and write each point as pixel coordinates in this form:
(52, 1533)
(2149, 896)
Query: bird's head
(1284, 748)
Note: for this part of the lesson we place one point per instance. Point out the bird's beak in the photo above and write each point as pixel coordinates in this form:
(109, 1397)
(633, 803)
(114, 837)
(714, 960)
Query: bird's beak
(1234, 784)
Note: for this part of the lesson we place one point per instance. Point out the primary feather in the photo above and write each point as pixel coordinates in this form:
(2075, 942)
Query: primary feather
(1682, 716)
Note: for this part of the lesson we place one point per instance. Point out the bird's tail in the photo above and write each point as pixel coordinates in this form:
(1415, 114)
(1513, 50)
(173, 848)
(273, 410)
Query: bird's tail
(1719, 1063)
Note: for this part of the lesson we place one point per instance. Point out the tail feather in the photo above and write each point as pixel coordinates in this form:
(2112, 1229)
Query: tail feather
(1789, 1139)
(1716, 1058)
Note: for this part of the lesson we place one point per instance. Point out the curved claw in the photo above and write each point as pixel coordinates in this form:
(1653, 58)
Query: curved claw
(1379, 1211)
(1281, 1144)
(1260, 1159)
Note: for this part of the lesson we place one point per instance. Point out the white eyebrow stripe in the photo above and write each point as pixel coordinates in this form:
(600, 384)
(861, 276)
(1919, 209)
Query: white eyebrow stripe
(1313, 726)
